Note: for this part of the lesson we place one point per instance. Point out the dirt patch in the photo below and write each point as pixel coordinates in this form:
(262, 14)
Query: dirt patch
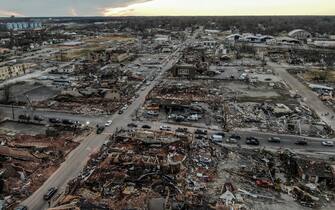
(320, 76)
(22, 128)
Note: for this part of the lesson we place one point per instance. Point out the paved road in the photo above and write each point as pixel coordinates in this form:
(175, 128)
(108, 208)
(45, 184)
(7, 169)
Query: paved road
(310, 97)
(287, 141)
(77, 159)
(6, 111)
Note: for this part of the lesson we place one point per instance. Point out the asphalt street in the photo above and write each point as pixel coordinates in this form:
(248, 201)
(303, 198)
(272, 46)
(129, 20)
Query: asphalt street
(286, 141)
(7, 111)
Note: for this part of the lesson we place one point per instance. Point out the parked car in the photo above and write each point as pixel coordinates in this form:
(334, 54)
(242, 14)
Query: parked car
(327, 143)
(152, 113)
(199, 131)
(220, 134)
(252, 141)
(231, 141)
(235, 136)
(51, 192)
(132, 125)
(274, 140)
(194, 117)
(38, 118)
(54, 120)
(217, 138)
(68, 122)
(24, 117)
(108, 123)
(302, 142)
(179, 118)
(199, 136)
(21, 208)
(164, 128)
(182, 130)
(146, 127)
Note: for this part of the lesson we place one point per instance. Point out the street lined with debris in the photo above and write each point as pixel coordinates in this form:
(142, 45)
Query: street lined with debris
(309, 97)
(104, 115)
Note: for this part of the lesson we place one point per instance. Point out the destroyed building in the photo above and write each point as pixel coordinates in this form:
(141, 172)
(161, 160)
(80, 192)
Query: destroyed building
(148, 165)
(27, 161)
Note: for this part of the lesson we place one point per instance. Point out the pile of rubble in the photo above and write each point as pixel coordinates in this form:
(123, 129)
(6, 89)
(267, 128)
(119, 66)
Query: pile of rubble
(91, 90)
(144, 169)
(27, 161)
(139, 169)
(278, 118)
(182, 94)
(264, 179)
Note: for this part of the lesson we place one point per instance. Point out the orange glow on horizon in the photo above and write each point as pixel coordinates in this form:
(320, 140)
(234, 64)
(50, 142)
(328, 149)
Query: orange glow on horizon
(224, 7)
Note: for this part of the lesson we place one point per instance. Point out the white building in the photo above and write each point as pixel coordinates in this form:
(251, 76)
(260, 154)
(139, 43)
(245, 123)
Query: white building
(300, 34)
(161, 39)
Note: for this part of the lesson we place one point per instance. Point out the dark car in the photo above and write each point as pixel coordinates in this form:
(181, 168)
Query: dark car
(182, 130)
(274, 140)
(200, 137)
(51, 192)
(252, 141)
(68, 122)
(201, 132)
(21, 208)
(132, 125)
(38, 118)
(146, 126)
(100, 129)
(54, 120)
(235, 136)
(302, 142)
(24, 117)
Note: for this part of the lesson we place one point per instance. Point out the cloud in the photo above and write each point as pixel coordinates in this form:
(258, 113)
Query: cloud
(62, 7)
(165, 7)
(73, 12)
(10, 13)
(126, 10)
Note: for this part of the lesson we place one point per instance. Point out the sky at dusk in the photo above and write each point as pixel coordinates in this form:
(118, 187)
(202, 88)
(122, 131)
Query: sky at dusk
(165, 7)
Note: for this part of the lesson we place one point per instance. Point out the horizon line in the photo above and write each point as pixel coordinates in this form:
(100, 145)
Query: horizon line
(124, 16)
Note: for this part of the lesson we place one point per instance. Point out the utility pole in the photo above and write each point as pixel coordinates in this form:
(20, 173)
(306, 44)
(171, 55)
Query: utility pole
(226, 113)
(13, 115)
(299, 127)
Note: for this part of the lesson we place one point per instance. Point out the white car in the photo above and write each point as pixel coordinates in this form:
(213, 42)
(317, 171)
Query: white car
(108, 123)
(231, 141)
(327, 143)
(164, 128)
